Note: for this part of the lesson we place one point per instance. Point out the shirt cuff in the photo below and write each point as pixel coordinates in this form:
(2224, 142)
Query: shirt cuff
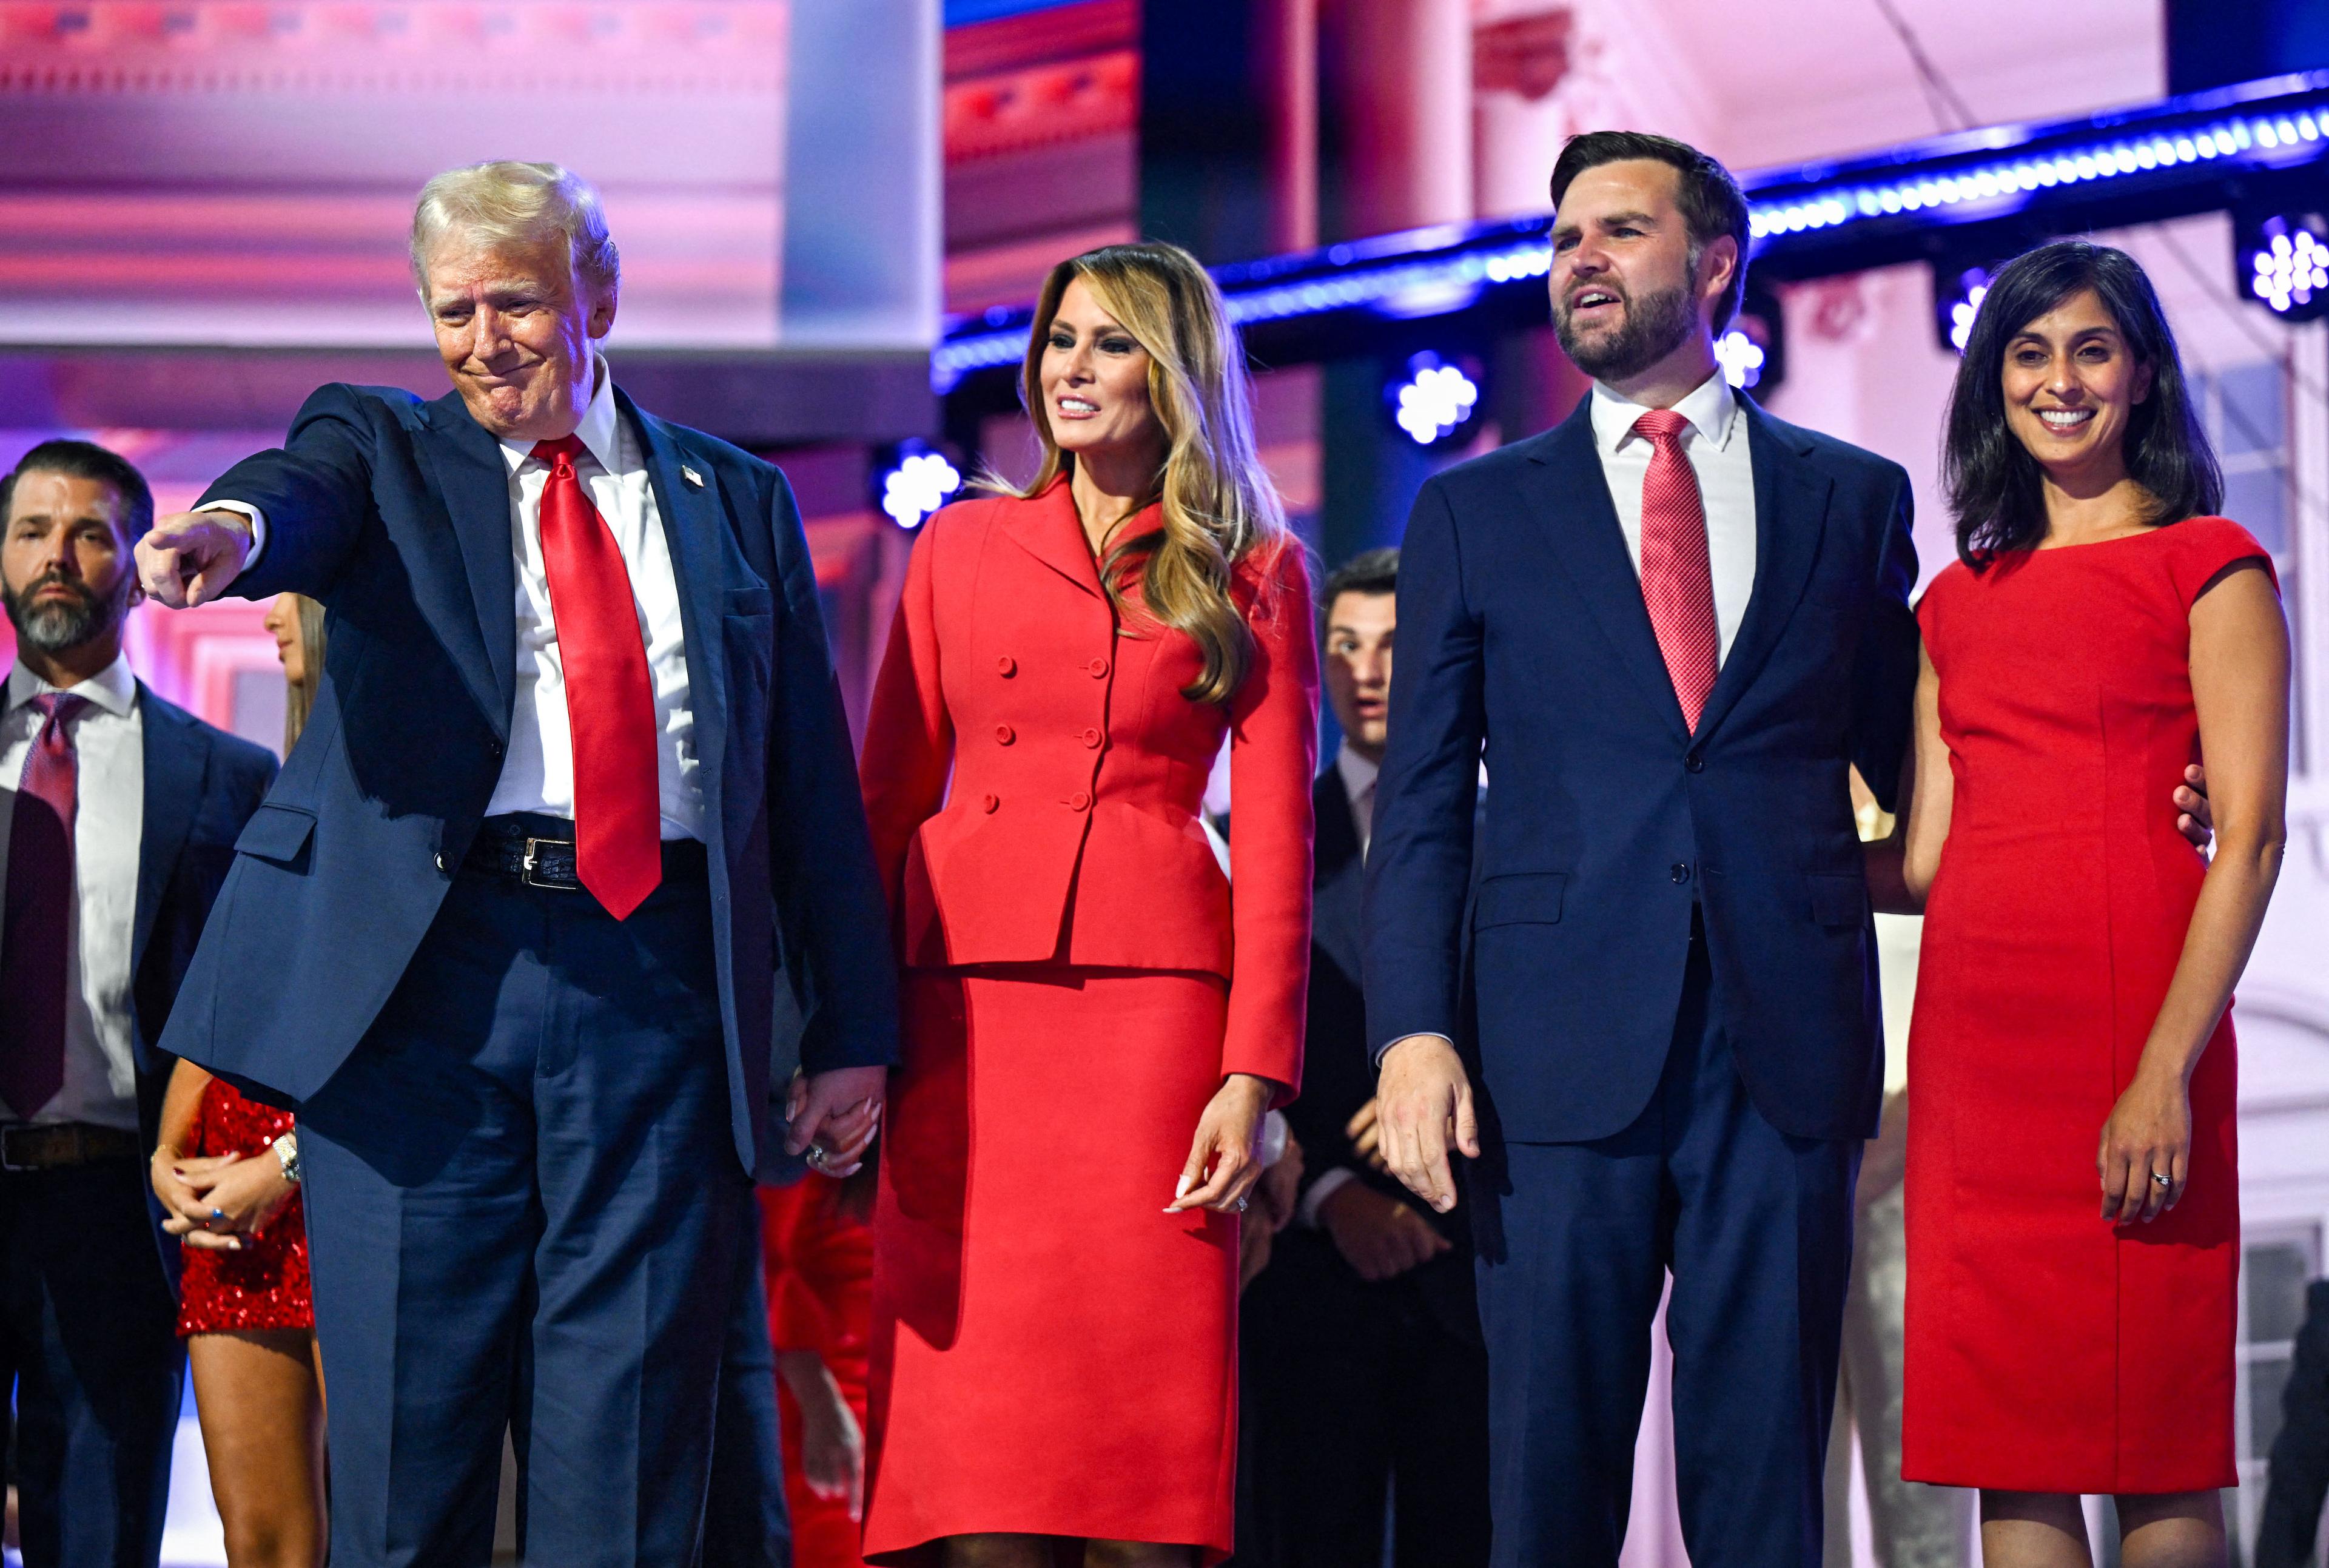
(257, 527)
(1324, 1187)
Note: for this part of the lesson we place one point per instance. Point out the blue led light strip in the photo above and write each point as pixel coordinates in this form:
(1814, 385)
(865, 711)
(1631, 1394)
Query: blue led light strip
(1967, 177)
(2239, 138)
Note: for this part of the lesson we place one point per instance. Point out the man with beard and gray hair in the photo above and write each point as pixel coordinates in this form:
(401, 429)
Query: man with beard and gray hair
(118, 818)
(1683, 621)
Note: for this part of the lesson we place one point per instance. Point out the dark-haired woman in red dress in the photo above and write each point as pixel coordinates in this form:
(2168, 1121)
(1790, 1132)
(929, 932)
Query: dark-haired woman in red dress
(2073, 1190)
(226, 1168)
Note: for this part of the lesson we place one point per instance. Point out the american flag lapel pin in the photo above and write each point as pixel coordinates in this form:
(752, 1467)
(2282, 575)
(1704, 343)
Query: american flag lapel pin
(690, 475)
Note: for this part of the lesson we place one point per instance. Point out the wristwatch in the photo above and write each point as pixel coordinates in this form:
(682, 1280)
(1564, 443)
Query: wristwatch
(287, 1151)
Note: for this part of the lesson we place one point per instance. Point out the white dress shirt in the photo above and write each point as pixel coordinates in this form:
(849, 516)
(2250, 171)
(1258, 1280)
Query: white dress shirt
(538, 772)
(1715, 442)
(101, 1084)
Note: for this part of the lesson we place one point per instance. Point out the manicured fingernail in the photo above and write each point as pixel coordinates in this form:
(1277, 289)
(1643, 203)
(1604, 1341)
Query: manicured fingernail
(1180, 1188)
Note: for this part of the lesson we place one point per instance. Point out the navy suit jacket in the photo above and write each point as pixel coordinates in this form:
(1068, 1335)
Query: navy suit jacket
(395, 514)
(1523, 636)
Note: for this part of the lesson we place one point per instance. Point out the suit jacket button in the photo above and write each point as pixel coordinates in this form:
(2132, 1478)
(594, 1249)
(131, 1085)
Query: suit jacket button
(988, 802)
(1097, 669)
(1006, 667)
(1079, 801)
(443, 861)
(1004, 734)
(1693, 763)
(1679, 871)
(1091, 739)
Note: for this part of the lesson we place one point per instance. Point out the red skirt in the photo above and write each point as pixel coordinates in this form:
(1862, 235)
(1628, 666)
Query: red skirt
(264, 1284)
(1053, 1353)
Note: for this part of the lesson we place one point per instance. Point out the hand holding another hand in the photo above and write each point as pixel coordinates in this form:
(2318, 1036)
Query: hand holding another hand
(215, 1201)
(838, 1114)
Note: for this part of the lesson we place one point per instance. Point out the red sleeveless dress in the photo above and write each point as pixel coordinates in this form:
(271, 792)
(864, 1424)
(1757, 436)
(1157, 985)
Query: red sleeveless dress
(264, 1284)
(2049, 1350)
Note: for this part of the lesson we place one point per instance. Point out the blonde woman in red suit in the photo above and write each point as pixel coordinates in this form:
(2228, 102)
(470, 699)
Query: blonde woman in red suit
(1072, 1134)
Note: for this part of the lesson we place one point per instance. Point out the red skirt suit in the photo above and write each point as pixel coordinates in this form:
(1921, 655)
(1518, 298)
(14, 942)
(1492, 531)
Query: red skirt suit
(1053, 1353)
(819, 1261)
(2049, 1350)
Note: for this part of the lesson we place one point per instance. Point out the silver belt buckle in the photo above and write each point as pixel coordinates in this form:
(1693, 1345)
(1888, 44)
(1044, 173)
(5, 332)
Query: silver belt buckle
(534, 860)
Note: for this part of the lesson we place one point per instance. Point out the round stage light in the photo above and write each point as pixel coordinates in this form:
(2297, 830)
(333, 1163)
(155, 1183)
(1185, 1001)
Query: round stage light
(916, 481)
(1432, 400)
(1741, 358)
(1957, 293)
(2287, 270)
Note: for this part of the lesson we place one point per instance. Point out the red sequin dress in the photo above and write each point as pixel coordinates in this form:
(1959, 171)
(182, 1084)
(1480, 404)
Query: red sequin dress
(264, 1284)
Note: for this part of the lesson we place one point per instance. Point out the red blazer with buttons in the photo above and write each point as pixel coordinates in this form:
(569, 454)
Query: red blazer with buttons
(1034, 775)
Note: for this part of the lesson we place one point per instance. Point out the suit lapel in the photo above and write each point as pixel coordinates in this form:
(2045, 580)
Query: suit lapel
(1340, 878)
(693, 526)
(1790, 515)
(175, 752)
(1565, 486)
(1047, 528)
(467, 583)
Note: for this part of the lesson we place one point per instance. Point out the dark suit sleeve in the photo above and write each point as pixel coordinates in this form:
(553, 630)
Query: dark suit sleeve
(2300, 1454)
(1884, 678)
(315, 492)
(1420, 863)
(823, 857)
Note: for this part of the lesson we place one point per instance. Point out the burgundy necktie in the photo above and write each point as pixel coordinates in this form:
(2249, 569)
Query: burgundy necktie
(1677, 580)
(34, 943)
(609, 699)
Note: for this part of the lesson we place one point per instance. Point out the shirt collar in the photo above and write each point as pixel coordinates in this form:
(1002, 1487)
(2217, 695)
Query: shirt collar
(598, 429)
(1358, 773)
(1710, 408)
(113, 688)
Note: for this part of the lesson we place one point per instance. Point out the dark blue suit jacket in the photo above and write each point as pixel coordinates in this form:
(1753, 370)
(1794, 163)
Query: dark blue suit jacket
(1522, 634)
(395, 514)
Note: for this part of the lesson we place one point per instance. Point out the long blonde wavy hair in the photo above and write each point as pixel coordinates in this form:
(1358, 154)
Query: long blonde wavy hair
(1216, 504)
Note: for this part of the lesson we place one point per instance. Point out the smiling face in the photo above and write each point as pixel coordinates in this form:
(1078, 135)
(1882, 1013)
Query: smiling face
(1627, 290)
(516, 331)
(1357, 667)
(1095, 381)
(65, 562)
(2071, 386)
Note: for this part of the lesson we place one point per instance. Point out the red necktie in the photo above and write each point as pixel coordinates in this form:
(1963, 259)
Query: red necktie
(609, 701)
(33, 942)
(1677, 580)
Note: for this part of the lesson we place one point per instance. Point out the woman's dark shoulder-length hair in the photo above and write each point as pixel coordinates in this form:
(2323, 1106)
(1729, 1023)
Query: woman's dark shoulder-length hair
(1994, 483)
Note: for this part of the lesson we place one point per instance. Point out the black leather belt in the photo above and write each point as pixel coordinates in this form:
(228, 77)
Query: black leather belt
(58, 1145)
(517, 849)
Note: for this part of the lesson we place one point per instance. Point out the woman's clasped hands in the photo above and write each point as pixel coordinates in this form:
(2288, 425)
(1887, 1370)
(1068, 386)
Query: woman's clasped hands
(216, 1200)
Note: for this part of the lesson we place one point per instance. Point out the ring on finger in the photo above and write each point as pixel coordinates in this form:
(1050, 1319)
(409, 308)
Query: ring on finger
(2162, 1180)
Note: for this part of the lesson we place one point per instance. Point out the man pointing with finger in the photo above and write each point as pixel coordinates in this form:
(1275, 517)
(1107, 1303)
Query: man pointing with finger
(577, 797)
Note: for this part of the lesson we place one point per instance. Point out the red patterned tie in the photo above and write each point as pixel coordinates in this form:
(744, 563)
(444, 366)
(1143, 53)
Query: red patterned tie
(34, 943)
(1677, 580)
(609, 699)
